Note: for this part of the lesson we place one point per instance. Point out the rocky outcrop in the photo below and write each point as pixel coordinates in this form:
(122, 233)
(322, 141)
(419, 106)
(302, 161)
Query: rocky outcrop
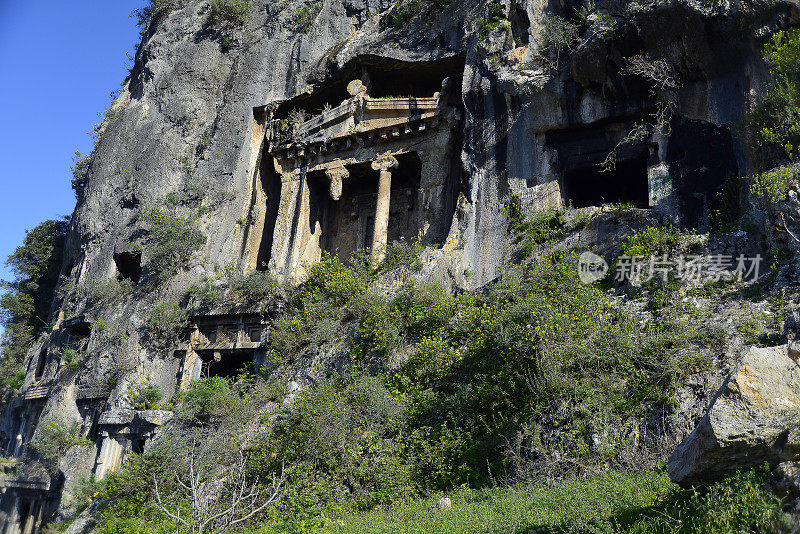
(753, 418)
(191, 129)
(785, 480)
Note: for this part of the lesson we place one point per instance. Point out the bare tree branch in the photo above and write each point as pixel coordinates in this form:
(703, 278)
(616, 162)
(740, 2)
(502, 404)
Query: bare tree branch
(242, 500)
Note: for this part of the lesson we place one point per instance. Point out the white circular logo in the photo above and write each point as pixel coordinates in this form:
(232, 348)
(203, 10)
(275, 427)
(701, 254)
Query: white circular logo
(591, 267)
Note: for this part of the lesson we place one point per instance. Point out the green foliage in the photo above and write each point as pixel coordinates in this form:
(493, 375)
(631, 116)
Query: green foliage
(210, 398)
(399, 254)
(53, 439)
(230, 11)
(775, 123)
(320, 304)
(171, 241)
(657, 241)
(127, 500)
(407, 10)
(772, 186)
(254, 286)
(741, 503)
(653, 241)
(306, 15)
(206, 293)
(25, 302)
(539, 345)
(558, 34)
(73, 358)
(535, 228)
(144, 395)
(494, 19)
(155, 8)
(80, 173)
(615, 503)
(335, 439)
(111, 290)
(165, 321)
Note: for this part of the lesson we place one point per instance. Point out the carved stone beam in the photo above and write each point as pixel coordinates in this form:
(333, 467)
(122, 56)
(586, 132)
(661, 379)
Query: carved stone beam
(336, 175)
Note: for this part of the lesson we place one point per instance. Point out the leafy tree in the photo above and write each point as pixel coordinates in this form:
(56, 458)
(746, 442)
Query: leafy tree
(25, 304)
(171, 240)
(775, 123)
(80, 173)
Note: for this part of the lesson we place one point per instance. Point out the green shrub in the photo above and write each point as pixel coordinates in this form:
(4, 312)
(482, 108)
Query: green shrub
(535, 228)
(335, 439)
(73, 358)
(319, 305)
(494, 19)
(740, 503)
(538, 345)
(340, 281)
(254, 286)
(306, 15)
(400, 254)
(653, 241)
(558, 34)
(775, 123)
(379, 329)
(230, 11)
(111, 290)
(144, 395)
(206, 293)
(772, 186)
(171, 240)
(25, 301)
(405, 11)
(209, 398)
(165, 321)
(53, 439)
(80, 173)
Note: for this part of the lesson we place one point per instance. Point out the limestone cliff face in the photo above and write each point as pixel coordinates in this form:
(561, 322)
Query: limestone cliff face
(193, 123)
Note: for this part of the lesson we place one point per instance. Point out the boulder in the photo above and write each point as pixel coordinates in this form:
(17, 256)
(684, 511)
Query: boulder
(753, 418)
(445, 503)
(785, 480)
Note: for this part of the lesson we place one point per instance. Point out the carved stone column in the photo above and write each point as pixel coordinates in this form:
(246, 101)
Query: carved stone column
(336, 175)
(380, 234)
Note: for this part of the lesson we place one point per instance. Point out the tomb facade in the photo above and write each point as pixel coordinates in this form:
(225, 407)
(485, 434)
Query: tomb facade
(358, 176)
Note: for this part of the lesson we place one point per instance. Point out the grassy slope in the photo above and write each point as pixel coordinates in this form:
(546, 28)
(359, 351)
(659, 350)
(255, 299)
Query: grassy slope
(612, 497)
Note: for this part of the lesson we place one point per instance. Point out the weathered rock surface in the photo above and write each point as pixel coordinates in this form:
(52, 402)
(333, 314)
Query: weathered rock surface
(785, 479)
(186, 126)
(753, 418)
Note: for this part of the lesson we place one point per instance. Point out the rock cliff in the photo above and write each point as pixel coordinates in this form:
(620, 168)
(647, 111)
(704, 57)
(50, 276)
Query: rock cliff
(472, 102)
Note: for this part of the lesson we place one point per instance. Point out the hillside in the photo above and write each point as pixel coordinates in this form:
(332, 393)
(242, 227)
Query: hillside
(422, 266)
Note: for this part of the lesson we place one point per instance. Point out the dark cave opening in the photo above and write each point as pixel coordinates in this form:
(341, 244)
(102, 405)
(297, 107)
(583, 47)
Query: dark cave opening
(228, 364)
(627, 183)
(129, 266)
(40, 364)
(271, 184)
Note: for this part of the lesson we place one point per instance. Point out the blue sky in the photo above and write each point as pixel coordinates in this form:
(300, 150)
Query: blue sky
(59, 60)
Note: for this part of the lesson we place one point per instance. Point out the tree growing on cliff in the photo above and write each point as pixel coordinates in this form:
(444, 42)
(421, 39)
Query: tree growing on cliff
(25, 303)
(775, 123)
(172, 239)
